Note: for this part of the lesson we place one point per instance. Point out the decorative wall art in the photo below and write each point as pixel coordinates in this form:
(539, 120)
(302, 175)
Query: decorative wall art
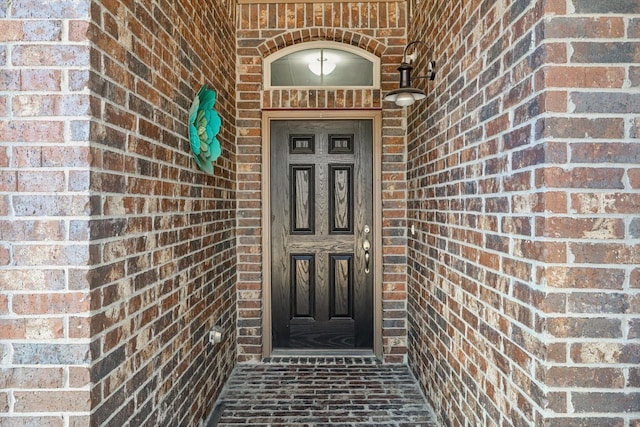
(204, 125)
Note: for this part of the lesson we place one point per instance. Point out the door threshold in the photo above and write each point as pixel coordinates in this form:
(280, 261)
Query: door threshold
(312, 352)
(338, 357)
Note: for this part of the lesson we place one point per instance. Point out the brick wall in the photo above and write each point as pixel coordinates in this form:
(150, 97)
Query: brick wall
(378, 27)
(44, 215)
(591, 83)
(522, 179)
(163, 238)
(117, 254)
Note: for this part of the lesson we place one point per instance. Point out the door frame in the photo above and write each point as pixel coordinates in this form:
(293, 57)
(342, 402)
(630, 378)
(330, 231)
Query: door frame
(376, 119)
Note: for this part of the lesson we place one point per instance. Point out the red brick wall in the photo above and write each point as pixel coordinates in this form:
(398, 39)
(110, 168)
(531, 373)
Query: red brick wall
(522, 177)
(591, 128)
(163, 233)
(378, 27)
(117, 254)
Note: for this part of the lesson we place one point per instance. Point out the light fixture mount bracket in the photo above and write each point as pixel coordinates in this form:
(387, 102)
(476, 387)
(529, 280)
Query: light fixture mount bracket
(406, 94)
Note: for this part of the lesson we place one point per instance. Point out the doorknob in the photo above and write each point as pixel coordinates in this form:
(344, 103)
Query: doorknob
(366, 245)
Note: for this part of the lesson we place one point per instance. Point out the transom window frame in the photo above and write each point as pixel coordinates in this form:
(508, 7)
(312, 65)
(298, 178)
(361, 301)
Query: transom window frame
(375, 60)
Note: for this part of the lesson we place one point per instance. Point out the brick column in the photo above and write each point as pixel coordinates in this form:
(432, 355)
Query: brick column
(590, 84)
(117, 253)
(44, 214)
(523, 184)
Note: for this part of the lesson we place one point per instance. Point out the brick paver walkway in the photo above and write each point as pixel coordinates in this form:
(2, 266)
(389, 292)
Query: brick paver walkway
(322, 392)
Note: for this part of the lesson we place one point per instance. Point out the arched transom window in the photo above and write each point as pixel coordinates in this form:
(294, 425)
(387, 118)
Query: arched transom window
(322, 64)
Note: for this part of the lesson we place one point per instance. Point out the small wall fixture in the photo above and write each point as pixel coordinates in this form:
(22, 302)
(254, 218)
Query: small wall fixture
(406, 95)
(321, 63)
(322, 66)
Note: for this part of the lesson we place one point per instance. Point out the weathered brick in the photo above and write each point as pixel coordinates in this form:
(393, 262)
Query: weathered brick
(634, 377)
(51, 205)
(79, 376)
(596, 352)
(633, 31)
(634, 77)
(604, 253)
(356, 405)
(597, 303)
(52, 182)
(32, 378)
(584, 77)
(605, 153)
(52, 401)
(32, 230)
(8, 181)
(557, 127)
(50, 354)
(51, 55)
(606, 402)
(604, 203)
(608, 102)
(583, 421)
(583, 228)
(51, 255)
(54, 303)
(41, 30)
(634, 328)
(32, 131)
(58, 9)
(32, 421)
(602, 27)
(9, 80)
(32, 279)
(561, 376)
(595, 6)
(603, 52)
(596, 327)
(4, 305)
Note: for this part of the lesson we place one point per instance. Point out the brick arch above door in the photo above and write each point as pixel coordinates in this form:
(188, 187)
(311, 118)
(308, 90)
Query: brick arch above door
(303, 35)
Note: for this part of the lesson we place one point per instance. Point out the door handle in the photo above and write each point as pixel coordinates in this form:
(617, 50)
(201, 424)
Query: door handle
(366, 245)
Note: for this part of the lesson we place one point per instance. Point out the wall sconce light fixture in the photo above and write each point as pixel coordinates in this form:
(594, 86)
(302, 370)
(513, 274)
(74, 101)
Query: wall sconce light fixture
(406, 95)
(322, 66)
(321, 62)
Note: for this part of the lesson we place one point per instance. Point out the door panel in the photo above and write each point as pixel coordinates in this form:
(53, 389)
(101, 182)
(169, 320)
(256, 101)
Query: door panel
(321, 204)
(302, 199)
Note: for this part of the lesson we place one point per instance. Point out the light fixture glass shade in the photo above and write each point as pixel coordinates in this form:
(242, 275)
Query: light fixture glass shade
(322, 66)
(405, 99)
(405, 96)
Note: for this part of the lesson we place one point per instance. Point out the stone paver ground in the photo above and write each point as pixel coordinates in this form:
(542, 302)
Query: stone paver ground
(328, 391)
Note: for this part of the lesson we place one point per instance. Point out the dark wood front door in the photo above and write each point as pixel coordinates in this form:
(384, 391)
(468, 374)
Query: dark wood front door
(321, 234)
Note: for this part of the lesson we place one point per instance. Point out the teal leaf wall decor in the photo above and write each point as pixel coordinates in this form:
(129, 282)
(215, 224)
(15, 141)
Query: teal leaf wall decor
(204, 125)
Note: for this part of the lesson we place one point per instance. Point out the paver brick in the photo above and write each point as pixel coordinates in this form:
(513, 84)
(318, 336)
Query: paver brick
(328, 391)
